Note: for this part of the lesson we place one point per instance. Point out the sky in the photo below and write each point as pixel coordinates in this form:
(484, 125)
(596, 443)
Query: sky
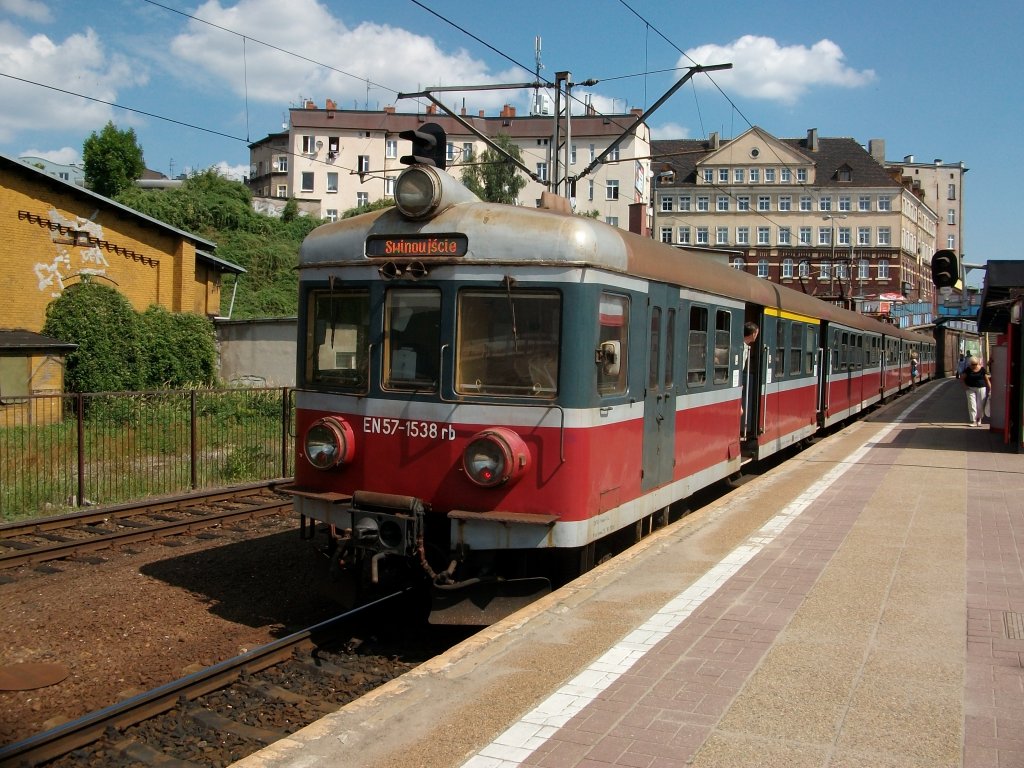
(199, 81)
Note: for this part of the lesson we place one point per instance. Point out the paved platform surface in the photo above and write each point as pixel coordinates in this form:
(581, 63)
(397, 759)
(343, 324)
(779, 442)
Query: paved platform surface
(861, 605)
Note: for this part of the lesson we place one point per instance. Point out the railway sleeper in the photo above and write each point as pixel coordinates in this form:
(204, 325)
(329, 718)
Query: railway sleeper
(143, 753)
(217, 722)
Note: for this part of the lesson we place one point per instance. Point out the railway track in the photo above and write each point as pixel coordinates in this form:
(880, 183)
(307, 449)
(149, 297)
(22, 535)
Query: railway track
(39, 540)
(221, 713)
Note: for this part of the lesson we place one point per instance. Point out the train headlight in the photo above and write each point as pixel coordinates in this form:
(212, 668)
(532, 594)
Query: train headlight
(418, 192)
(495, 457)
(329, 443)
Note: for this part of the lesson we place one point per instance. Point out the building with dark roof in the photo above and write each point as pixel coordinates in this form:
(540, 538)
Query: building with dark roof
(819, 214)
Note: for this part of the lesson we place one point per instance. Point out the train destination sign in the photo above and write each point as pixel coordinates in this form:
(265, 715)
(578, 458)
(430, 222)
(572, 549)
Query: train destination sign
(417, 246)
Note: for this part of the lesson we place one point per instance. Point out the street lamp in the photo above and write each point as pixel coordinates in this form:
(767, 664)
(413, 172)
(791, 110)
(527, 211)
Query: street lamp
(830, 218)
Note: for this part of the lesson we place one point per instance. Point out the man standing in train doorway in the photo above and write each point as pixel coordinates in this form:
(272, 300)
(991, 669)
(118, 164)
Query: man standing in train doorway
(750, 333)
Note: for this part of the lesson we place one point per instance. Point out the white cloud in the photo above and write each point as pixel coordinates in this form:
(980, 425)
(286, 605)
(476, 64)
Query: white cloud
(762, 69)
(233, 172)
(27, 9)
(64, 155)
(77, 64)
(669, 131)
(393, 59)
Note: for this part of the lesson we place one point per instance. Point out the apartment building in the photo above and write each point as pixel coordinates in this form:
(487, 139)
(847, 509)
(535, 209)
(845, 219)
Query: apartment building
(819, 214)
(331, 160)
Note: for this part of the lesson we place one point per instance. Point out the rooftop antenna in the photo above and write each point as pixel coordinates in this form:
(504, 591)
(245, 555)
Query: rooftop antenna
(538, 67)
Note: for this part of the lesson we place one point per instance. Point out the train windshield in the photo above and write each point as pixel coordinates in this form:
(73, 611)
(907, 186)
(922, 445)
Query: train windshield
(337, 342)
(508, 343)
(412, 339)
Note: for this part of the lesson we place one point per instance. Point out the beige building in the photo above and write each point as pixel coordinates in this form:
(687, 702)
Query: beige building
(331, 160)
(819, 214)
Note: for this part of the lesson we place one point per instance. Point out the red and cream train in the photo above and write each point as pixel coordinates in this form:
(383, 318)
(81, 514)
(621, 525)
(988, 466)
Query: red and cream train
(490, 396)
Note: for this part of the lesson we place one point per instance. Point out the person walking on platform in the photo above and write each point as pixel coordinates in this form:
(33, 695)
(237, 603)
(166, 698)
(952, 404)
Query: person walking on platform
(977, 383)
(960, 366)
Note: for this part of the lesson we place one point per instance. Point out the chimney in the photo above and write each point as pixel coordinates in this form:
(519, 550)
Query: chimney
(331, 104)
(636, 112)
(876, 148)
(462, 112)
(480, 113)
(389, 110)
(812, 139)
(908, 159)
(310, 104)
(590, 109)
(508, 111)
(431, 109)
(938, 161)
(713, 140)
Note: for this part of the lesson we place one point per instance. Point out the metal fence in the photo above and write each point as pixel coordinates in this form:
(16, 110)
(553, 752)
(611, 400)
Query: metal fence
(63, 451)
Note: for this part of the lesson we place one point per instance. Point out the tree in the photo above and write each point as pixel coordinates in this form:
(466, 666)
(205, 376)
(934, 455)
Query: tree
(112, 160)
(494, 177)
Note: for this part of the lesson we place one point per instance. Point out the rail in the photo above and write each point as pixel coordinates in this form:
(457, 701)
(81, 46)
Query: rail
(58, 452)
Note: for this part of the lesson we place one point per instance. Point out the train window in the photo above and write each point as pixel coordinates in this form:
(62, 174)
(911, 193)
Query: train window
(835, 351)
(412, 339)
(796, 346)
(780, 349)
(723, 339)
(337, 339)
(844, 357)
(612, 341)
(508, 342)
(670, 349)
(810, 347)
(655, 348)
(697, 347)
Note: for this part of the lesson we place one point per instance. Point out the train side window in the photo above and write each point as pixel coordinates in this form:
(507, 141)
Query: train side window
(723, 337)
(780, 349)
(655, 348)
(508, 343)
(412, 339)
(613, 323)
(796, 346)
(670, 349)
(697, 348)
(835, 351)
(810, 345)
(844, 358)
(337, 339)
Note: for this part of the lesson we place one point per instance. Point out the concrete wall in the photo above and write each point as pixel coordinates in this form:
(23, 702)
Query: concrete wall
(257, 352)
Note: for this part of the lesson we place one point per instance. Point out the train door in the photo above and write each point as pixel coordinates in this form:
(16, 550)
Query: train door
(660, 386)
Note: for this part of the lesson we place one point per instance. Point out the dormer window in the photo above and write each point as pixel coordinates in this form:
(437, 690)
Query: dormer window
(844, 174)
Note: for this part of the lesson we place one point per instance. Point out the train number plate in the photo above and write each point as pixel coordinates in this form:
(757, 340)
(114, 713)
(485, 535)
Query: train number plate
(424, 430)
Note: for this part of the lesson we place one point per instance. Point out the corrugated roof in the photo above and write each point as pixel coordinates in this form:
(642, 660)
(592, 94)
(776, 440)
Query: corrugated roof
(22, 341)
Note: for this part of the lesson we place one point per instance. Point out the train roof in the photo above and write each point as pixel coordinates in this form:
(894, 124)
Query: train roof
(515, 235)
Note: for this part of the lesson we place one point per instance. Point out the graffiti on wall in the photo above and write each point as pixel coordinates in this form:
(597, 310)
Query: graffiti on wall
(76, 252)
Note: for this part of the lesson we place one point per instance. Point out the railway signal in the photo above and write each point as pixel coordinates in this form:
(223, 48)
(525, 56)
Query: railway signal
(945, 271)
(429, 146)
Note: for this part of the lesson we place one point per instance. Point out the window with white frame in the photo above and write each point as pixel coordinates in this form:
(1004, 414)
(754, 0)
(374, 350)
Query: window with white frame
(593, 152)
(666, 234)
(825, 272)
(572, 154)
(684, 202)
(389, 185)
(804, 268)
(737, 175)
(282, 163)
(787, 269)
(363, 164)
(362, 198)
(840, 268)
(703, 203)
(951, 192)
(307, 181)
(308, 145)
(743, 203)
(844, 203)
(864, 203)
(723, 175)
(467, 151)
(709, 175)
(742, 235)
(449, 151)
(801, 175)
(884, 203)
(769, 175)
(824, 235)
(282, 190)
(951, 216)
(611, 220)
(762, 267)
(390, 148)
(612, 155)
(825, 203)
(863, 269)
(590, 190)
(666, 203)
(883, 269)
(785, 203)
(721, 235)
(611, 190)
(805, 235)
(863, 235)
(843, 234)
(683, 235)
(951, 242)
(737, 263)
(702, 236)
(722, 203)
(332, 214)
(332, 181)
(805, 203)
(786, 176)
(764, 235)
(884, 237)
(333, 146)
(785, 236)
(755, 175)
(764, 202)
(542, 173)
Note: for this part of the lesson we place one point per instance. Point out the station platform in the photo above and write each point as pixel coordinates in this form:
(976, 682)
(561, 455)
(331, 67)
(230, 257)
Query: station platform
(860, 605)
